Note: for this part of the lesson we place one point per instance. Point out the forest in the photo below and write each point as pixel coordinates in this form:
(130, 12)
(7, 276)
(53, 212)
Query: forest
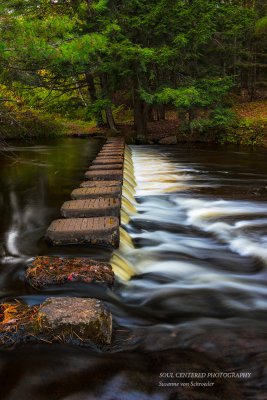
(192, 68)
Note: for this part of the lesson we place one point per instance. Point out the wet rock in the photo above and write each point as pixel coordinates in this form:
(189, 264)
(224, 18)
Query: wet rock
(73, 317)
(45, 271)
(59, 319)
(168, 140)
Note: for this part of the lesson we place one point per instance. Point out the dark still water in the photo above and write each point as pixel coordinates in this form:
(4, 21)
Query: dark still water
(192, 318)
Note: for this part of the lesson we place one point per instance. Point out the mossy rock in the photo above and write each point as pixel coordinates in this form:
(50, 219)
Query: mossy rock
(85, 319)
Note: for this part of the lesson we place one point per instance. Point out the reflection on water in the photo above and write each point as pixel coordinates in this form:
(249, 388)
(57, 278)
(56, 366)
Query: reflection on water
(191, 293)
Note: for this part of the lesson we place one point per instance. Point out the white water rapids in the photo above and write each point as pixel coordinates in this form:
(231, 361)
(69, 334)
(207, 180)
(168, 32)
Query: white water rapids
(200, 252)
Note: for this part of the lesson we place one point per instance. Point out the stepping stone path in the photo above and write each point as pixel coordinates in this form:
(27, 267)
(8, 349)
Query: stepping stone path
(105, 166)
(100, 231)
(109, 160)
(44, 271)
(96, 192)
(100, 184)
(104, 175)
(91, 208)
(91, 217)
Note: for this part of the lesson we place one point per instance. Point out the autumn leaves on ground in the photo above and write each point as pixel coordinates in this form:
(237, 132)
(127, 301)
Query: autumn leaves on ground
(249, 127)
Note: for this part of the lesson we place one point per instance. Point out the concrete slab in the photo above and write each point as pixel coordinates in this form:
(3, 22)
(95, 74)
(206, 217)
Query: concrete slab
(102, 231)
(95, 184)
(96, 192)
(113, 148)
(100, 207)
(104, 175)
(111, 154)
(107, 160)
(44, 271)
(105, 166)
(109, 148)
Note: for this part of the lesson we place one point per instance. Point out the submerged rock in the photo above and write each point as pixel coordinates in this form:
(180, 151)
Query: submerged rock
(74, 317)
(45, 271)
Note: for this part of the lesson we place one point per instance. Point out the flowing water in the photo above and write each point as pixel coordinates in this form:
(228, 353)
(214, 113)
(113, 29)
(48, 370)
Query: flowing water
(191, 274)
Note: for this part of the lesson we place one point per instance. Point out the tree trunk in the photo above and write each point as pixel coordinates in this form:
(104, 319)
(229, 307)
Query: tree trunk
(191, 117)
(140, 115)
(93, 97)
(80, 92)
(150, 113)
(161, 113)
(108, 111)
(110, 120)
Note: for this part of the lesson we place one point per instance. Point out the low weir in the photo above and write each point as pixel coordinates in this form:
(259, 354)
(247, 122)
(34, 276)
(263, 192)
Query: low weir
(92, 217)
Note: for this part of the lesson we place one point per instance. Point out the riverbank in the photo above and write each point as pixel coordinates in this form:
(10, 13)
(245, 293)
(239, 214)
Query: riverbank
(249, 128)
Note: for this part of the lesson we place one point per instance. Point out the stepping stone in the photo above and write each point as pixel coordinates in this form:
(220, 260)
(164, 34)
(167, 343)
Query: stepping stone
(86, 319)
(104, 175)
(45, 271)
(105, 166)
(121, 142)
(113, 146)
(108, 154)
(102, 231)
(96, 192)
(96, 184)
(101, 207)
(109, 160)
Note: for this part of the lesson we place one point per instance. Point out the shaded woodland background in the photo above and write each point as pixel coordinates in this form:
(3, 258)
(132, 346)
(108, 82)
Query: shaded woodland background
(145, 69)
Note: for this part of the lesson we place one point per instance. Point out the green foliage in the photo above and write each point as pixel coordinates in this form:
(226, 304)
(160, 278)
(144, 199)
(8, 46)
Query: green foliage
(204, 101)
(261, 26)
(98, 106)
(70, 57)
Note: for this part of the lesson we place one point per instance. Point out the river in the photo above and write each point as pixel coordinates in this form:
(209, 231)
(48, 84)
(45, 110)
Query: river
(192, 317)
